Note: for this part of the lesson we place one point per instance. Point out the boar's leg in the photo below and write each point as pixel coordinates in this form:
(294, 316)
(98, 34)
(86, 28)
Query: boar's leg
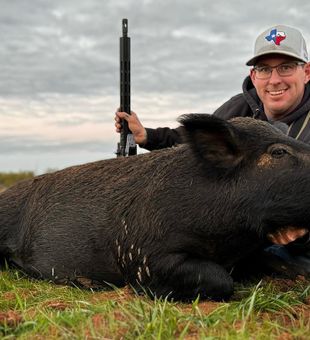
(191, 279)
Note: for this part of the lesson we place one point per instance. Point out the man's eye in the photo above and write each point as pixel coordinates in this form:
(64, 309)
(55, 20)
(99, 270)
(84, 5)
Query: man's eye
(286, 67)
(263, 69)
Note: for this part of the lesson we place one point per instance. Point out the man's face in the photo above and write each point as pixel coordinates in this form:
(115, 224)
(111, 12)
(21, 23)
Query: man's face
(280, 95)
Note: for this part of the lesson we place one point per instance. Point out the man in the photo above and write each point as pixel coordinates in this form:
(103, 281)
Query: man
(277, 89)
(269, 93)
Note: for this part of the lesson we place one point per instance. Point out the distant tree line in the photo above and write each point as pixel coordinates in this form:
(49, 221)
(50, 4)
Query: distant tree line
(9, 178)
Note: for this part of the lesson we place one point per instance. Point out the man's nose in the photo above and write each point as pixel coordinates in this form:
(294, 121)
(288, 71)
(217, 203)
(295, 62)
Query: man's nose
(274, 77)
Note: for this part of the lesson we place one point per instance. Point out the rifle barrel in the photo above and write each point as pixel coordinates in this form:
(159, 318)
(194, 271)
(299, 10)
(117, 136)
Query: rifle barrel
(127, 145)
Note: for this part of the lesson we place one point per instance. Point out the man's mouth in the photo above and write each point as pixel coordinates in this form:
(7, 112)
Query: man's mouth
(276, 93)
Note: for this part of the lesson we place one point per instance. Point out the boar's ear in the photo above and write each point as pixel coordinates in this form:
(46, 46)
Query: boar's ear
(213, 139)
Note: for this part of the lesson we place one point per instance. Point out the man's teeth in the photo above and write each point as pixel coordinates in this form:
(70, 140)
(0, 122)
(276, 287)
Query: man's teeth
(276, 93)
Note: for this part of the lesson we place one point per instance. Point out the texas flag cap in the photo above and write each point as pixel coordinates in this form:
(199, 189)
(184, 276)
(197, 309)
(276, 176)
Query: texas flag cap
(280, 39)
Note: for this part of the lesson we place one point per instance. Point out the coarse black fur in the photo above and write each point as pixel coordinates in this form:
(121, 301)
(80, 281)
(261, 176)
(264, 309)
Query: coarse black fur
(172, 222)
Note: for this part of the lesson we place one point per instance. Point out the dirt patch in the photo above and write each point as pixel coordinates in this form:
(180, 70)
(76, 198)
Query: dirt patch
(10, 318)
(297, 316)
(9, 296)
(192, 331)
(284, 285)
(100, 327)
(57, 305)
(302, 311)
(208, 306)
(119, 295)
(205, 307)
(285, 336)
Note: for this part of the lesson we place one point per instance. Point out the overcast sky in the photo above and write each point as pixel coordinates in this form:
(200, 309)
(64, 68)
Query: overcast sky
(59, 61)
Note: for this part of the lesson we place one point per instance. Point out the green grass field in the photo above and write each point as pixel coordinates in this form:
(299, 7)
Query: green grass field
(31, 309)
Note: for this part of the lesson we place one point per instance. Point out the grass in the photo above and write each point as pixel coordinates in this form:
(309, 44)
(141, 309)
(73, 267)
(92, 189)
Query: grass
(30, 309)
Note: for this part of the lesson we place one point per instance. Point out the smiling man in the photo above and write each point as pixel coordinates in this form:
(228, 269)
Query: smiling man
(277, 89)
(280, 84)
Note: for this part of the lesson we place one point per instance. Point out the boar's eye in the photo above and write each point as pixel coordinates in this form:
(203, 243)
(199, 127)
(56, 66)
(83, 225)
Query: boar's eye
(278, 152)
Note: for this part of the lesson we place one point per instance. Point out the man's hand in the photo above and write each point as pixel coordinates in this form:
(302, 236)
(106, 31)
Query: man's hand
(134, 124)
(286, 235)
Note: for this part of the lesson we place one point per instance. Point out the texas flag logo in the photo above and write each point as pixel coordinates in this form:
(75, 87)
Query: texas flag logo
(276, 36)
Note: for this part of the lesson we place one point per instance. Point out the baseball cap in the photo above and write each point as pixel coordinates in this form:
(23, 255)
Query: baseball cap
(280, 39)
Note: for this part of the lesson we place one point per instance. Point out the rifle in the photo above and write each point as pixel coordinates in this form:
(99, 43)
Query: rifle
(127, 145)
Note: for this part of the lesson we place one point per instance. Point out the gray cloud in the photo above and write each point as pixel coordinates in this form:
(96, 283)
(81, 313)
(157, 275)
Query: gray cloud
(69, 47)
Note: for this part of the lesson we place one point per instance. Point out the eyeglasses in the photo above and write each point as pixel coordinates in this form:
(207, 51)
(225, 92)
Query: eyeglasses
(284, 70)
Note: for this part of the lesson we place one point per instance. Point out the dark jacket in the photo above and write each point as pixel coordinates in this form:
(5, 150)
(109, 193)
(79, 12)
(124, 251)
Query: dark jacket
(246, 104)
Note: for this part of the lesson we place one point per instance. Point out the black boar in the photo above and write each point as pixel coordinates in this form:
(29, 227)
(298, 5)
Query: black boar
(171, 222)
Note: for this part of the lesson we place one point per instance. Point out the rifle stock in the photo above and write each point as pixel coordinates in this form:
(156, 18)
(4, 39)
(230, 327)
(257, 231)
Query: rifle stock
(127, 145)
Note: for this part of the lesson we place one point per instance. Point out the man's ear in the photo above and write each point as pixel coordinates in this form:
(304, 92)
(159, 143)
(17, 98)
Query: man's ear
(252, 76)
(214, 140)
(307, 73)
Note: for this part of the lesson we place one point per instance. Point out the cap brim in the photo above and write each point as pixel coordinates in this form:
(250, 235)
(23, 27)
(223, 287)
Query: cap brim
(253, 61)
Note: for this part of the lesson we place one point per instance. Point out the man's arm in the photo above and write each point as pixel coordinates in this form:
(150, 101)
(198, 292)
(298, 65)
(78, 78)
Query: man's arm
(160, 138)
(149, 139)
